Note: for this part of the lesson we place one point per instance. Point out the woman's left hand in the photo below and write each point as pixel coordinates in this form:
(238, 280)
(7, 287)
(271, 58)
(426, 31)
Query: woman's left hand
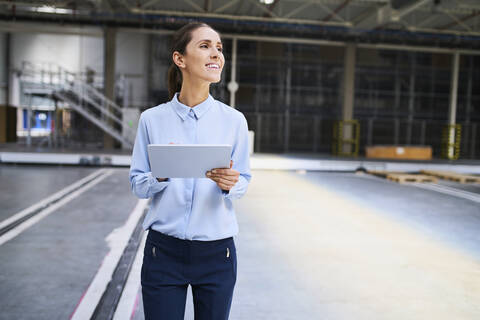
(224, 178)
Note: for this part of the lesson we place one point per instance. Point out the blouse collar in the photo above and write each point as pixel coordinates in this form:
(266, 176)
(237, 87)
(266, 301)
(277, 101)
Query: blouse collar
(199, 110)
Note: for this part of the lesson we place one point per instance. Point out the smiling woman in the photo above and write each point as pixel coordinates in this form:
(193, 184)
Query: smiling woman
(205, 53)
(191, 222)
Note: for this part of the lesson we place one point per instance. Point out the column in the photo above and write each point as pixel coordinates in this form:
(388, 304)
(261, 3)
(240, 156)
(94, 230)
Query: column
(452, 113)
(109, 74)
(411, 98)
(233, 85)
(348, 93)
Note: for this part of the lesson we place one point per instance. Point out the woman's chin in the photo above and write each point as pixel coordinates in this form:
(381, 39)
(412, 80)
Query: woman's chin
(213, 79)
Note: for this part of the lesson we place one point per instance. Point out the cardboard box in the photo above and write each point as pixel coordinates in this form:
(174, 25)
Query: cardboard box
(399, 152)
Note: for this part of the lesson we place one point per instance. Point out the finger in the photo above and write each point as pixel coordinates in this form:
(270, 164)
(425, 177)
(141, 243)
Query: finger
(233, 179)
(228, 172)
(231, 164)
(226, 181)
(224, 186)
(210, 174)
(214, 178)
(220, 181)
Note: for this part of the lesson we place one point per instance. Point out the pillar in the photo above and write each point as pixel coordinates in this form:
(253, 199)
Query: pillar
(109, 74)
(233, 85)
(348, 93)
(452, 113)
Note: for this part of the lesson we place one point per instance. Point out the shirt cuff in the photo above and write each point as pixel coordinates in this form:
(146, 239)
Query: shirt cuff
(155, 185)
(230, 193)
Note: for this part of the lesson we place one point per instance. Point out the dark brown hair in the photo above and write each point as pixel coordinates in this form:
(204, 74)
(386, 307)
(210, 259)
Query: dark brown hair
(180, 40)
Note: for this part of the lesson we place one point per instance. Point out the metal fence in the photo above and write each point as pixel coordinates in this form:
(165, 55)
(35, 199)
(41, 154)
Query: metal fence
(301, 133)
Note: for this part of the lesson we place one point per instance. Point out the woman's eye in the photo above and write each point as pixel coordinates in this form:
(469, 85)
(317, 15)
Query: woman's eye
(203, 46)
(220, 49)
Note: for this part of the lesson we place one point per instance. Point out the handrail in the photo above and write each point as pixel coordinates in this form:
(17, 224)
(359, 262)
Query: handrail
(98, 121)
(55, 77)
(77, 87)
(98, 95)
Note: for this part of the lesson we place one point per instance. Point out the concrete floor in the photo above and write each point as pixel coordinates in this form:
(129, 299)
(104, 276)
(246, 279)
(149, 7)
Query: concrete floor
(45, 270)
(23, 185)
(311, 246)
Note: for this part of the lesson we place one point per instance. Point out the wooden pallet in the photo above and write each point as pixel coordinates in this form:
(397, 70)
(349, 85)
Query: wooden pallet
(381, 173)
(402, 177)
(453, 176)
(405, 178)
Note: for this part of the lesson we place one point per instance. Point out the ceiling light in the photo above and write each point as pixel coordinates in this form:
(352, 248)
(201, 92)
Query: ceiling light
(267, 1)
(50, 9)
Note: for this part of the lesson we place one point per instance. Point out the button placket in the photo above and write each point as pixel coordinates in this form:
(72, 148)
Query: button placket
(191, 126)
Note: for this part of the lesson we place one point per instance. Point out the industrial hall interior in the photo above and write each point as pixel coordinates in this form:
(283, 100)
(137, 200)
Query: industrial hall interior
(359, 186)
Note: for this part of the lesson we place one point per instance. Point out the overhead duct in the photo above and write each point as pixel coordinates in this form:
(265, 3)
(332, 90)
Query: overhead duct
(261, 27)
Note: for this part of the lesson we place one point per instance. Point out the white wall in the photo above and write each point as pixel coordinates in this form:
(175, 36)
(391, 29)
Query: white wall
(73, 52)
(91, 53)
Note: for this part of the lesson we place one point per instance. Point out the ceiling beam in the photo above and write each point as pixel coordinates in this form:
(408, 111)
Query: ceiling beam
(263, 8)
(330, 11)
(427, 21)
(460, 21)
(337, 10)
(225, 6)
(298, 9)
(385, 14)
(271, 7)
(194, 5)
(149, 4)
(239, 17)
(208, 6)
(398, 14)
(124, 4)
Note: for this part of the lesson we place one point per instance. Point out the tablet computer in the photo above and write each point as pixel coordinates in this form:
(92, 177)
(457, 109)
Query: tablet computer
(187, 160)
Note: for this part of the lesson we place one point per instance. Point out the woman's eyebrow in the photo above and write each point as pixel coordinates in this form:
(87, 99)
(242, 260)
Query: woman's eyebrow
(209, 41)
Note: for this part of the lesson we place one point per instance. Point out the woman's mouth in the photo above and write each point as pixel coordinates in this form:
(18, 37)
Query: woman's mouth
(214, 66)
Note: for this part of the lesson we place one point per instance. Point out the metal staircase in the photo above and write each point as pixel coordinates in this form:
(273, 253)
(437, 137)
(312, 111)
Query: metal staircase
(83, 97)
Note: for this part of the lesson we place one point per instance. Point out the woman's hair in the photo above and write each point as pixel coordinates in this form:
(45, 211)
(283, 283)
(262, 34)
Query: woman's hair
(180, 40)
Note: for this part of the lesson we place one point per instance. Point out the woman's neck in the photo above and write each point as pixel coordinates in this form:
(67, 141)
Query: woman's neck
(193, 94)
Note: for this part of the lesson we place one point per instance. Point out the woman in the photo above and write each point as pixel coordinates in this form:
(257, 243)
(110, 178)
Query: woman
(191, 222)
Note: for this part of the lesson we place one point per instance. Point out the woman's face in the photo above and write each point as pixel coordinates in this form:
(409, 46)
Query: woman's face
(203, 58)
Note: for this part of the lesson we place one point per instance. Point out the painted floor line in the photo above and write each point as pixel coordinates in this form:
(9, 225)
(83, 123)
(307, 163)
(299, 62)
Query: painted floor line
(42, 214)
(435, 187)
(126, 305)
(117, 241)
(54, 197)
(451, 191)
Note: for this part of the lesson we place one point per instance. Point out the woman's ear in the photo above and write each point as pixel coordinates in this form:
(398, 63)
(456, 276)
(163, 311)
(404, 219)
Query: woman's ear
(178, 59)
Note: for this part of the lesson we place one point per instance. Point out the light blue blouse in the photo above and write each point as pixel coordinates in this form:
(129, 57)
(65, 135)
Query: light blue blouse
(193, 209)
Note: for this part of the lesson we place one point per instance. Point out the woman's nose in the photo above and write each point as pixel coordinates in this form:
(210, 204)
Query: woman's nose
(215, 53)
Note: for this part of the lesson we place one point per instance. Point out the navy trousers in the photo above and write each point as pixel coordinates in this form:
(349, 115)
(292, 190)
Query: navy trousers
(171, 264)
